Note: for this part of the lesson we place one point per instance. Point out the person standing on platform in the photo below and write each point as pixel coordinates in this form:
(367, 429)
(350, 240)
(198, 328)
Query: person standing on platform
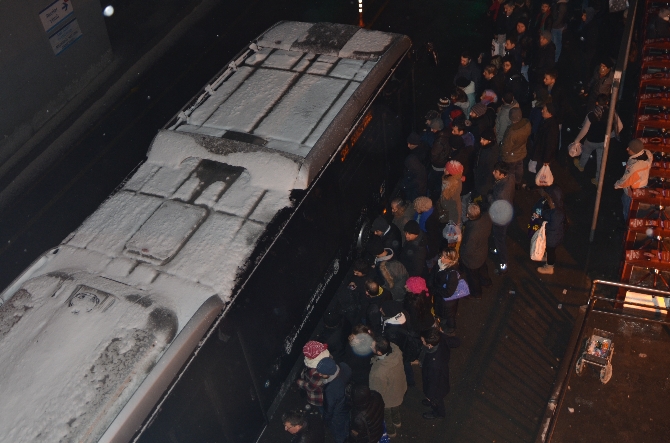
(387, 377)
(434, 362)
(636, 175)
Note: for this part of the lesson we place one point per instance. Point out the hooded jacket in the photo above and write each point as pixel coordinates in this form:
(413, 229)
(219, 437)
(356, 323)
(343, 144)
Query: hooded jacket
(636, 174)
(413, 256)
(502, 120)
(387, 377)
(513, 147)
(395, 275)
(435, 371)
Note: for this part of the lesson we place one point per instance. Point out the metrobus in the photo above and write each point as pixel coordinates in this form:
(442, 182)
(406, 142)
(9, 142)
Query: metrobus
(177, 309)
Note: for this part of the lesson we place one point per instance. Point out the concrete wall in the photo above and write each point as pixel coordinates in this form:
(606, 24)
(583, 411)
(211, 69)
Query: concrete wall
(35, 83)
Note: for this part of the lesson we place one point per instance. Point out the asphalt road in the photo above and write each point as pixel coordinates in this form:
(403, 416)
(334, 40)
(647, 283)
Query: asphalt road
(512, 340)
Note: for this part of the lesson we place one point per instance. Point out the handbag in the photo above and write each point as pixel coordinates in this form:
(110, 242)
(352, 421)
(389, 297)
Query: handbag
(462, 290)
(575, 149)
(544, 177)
(538, 243)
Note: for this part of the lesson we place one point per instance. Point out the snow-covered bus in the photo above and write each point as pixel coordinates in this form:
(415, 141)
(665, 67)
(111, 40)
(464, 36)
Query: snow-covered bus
(175, 312)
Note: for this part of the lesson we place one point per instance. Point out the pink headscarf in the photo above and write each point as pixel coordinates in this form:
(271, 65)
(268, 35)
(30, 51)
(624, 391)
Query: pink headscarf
(416, 285)
(313, 348)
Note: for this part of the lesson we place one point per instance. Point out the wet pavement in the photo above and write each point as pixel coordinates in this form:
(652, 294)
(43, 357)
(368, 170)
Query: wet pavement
(512, 340)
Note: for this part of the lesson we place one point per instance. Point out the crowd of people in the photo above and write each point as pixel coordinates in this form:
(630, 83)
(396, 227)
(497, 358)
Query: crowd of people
(491, 137)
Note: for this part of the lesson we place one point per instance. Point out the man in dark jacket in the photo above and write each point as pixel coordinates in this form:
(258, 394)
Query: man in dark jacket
(468, 69)
(439, 156)
(503, 189)
(557, 94)
(413, 254)
(367, 416)
(546, 139)
(415, 178)
(351, 292)
(486, 156)
(513, 148)
(435, 372)
(336, 410)
(544, 58)
(375, 295)
(305, 428)
(389, 233)
(474, 249)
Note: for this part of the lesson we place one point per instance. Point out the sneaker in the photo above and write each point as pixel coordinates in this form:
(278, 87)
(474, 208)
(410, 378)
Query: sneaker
(594, 181)
(429, 416)
(546, 269)
(576, 162)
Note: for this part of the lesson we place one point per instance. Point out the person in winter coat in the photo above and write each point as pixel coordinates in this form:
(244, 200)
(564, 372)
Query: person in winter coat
(310, 380)
(482, 117)
(474, 248)
(524, 42)
(375, 295)
(413, 255)
(435, 372)
(468, 88)
(601, 83)
(439, 156)
(395, 275)
(544, 21)
(352, 291)
(333, 334)
(336, 410)
(469, 70)
(636, 174)
(659, 26)
(359, 354)
(387, 377)
(505, 24)
(402, 211)
(429, 223)
(552, 212)
(589, 39)
(493, 80)
(486, 156)
(396, 330)
(557, 94)
(560, 16)
(465, 156)
(515, 83)
(418, 305)
(503, 189)
(449, 204)
(367, 416)
(389, 233)
(544, 58)
(513, 148)
(414, 180)
(443, 281)
(546, 139)
(502, 119)
(593, 133)
(305, 428)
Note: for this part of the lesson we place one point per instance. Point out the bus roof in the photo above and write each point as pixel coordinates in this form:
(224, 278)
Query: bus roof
(82, 328)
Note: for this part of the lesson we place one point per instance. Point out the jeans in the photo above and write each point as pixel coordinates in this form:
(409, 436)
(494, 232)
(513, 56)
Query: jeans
(524, 71)
(500, 242)
(557, 38)
(409, 373)
(392, 419)
(587, 148)
(516, 168)
(626, 200)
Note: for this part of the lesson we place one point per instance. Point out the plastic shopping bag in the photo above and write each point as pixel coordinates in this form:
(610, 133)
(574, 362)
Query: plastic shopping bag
(532, 166)
(575, 149)
(538, 243)
(544, 177)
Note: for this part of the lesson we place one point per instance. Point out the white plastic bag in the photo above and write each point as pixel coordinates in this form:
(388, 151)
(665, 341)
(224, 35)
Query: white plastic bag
(544, 177)
(538, 243)
(575, 149)
(495, 49)
(532, 166)
(451, 232)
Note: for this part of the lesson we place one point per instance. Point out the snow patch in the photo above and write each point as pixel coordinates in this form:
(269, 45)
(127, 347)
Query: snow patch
(206, 109)
(283, 35)
(366, 45)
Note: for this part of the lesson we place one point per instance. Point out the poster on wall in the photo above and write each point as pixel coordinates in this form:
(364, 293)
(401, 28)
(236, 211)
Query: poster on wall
(68, 34)
(56, 13)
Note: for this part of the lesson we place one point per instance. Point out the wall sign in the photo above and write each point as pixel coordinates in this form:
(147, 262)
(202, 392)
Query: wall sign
(65, 37)
(55, 13)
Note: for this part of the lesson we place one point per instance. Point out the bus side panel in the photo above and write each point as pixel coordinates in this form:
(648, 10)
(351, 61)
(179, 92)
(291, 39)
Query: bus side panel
(280, 305)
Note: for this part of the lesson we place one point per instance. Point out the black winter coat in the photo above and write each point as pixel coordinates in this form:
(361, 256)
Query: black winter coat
(435, 371)
(409, 345)
(367, 420)
(542, 62)
(334, 398)
(474, 246)
(360, 366)
(503, 189)
(546, 142)
(414, 179)
(393, 239)
(413, 255)
(442, 285)
(313, 432)
(441, 150)
(486, 158)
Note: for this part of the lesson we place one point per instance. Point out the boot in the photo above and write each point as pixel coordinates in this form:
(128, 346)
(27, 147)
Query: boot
(546, 269)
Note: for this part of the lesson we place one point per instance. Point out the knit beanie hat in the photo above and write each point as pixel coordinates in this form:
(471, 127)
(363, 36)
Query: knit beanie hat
(327, 366)
(314, 352)
(515, 115)
(412, 227)
(443, 103)
(488, 134)
(478, 109)
(380, 224)
(431, 115)
(489, 96)
(453, 167)
(437, 124)
(414, 139)
(636, 145)
(416, 285)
